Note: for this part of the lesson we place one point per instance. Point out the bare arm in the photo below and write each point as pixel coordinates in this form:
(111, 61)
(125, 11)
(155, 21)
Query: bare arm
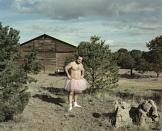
(82, 72)
(67, 70)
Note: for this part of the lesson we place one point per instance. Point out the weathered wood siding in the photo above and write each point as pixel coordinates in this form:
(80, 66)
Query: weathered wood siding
(60, 59)
(64, 48)
(51, 52)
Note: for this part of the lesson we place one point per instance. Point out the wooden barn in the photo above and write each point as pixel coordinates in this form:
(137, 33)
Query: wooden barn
(51, 52)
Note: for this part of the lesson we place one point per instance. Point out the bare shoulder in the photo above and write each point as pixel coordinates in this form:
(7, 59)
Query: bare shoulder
(72, 63)
(82, 65)
(69, 65)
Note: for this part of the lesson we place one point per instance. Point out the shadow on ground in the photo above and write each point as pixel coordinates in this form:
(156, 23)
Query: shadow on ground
(156, 90)
(46, 98)
(110, 116)
(57, 74)
(135, 76)
(156, 95)
(56, 90)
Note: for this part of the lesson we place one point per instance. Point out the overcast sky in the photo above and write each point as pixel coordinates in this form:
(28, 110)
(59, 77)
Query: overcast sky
(121, 23)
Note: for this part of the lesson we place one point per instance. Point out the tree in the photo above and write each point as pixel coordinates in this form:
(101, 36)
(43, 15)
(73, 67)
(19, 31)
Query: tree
(101, 69)
(13, 90)
(136, 54)
(155, 55)
(31, 64)
(137, 57)
(125, 60)
(129, 59)
(143, 64)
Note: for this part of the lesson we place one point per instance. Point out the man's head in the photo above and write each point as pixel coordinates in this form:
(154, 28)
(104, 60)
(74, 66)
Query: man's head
(79, 59)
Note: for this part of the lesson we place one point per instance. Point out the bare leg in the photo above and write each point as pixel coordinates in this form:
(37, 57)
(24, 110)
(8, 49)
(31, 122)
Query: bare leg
(75, 100)
(71, 97)
(75, 97)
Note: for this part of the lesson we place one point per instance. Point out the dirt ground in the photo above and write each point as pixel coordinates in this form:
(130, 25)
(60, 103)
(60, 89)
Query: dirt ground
(47, 109)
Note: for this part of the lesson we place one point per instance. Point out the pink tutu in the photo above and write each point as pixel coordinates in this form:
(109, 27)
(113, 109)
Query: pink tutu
(75, 85)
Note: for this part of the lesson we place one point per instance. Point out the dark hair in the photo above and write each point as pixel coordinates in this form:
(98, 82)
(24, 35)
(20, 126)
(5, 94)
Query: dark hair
(77, 56)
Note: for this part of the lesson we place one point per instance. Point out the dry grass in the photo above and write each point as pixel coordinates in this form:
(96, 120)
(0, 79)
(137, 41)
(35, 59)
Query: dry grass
(47, 108)
(141, 84)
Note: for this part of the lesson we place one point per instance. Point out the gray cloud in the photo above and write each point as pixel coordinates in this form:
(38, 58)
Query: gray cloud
(73, 9)
(128, 45)
(58, 29)
(124, 20)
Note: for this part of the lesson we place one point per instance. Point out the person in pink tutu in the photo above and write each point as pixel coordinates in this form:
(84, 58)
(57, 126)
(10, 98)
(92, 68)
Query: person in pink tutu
(75, 82)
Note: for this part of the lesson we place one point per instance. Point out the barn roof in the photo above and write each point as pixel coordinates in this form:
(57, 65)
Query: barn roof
(47, 36)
